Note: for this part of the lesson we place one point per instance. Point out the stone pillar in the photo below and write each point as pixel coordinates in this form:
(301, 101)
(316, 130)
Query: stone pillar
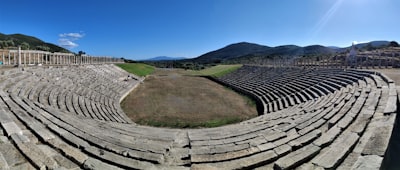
(393, 57)
(24, 59)
(8, 58)
(387, 62)
(380, 60)
(19, 56)
(2, 56)
(29, 58)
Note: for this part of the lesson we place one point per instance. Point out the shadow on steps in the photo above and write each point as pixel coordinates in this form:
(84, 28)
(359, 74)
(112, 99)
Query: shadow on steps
(392, 155)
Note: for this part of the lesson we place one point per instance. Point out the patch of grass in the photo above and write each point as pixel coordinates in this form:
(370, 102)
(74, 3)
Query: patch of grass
(250, 102)
(218, 71)
(220, 122)
(184, 124)
(139, 69)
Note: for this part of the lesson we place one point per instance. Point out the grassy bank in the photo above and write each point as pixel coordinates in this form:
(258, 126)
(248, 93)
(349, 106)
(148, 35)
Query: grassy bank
(218, 71)
(139, 69)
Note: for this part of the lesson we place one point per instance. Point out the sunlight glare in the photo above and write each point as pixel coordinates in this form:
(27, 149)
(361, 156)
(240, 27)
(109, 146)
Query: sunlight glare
(325, 19)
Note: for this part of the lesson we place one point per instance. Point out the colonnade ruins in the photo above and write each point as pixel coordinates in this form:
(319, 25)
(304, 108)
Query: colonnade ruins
(34, 57)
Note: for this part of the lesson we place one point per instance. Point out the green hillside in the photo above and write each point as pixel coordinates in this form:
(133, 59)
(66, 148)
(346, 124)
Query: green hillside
(12, 41)
(246, 50)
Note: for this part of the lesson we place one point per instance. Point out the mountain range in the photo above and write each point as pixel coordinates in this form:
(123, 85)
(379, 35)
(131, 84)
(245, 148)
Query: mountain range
(247, 50)
(164, 58)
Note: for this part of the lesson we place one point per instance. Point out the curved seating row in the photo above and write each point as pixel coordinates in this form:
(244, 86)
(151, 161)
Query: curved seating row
(69, 117)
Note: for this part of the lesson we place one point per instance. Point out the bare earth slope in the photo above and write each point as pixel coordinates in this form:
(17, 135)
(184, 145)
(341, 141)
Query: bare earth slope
(171, 98)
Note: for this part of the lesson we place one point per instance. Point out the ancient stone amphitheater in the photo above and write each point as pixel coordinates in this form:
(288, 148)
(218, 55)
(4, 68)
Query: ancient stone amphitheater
(69, 117)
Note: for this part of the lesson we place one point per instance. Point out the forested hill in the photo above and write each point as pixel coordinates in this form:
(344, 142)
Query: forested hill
(245, 49)
(12, 41)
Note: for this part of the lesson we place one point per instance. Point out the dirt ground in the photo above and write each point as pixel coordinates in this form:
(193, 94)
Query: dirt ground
(172, 98)
(394, 74)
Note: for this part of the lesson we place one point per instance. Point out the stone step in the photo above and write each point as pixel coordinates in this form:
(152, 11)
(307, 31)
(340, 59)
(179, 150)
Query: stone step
(332, 156)
(297, 157)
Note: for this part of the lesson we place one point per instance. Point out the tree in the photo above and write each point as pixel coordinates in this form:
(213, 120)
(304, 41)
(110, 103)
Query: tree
(80, 53)
(43, 48)
(393, 44)
(369, 47)
(25, 46)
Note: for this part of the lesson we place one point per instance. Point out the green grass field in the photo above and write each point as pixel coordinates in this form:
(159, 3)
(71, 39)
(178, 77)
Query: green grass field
(218, 71)
(139, 69)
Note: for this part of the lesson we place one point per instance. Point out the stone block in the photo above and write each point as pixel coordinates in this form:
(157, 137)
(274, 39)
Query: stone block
(337, 151)
(378, 141)
(297, 157)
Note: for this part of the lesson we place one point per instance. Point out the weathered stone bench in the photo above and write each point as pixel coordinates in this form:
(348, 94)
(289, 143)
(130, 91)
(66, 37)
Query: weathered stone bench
(338, 120)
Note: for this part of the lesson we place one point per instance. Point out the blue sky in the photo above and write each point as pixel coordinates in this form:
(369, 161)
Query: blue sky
(139, 29)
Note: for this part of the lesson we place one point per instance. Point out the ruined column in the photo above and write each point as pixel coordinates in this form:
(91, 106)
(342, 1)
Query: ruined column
(2, 56)
(29, 58)
(387, 62)
(19, 56)
(380, 60)
(9, 58)
(24, 59)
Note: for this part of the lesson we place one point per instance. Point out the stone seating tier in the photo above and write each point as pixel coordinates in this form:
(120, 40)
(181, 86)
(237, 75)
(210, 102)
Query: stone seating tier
(312, 119)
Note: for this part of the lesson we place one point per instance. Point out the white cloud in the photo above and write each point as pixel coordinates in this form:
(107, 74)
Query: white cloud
(359, 42)
(67, 43)
(72, 35)
(66, 40)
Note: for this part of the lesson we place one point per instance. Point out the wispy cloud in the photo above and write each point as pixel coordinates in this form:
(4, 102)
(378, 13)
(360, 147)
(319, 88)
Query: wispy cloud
(66, 43)
(67, 40)
(359, 42)
(72, 35)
